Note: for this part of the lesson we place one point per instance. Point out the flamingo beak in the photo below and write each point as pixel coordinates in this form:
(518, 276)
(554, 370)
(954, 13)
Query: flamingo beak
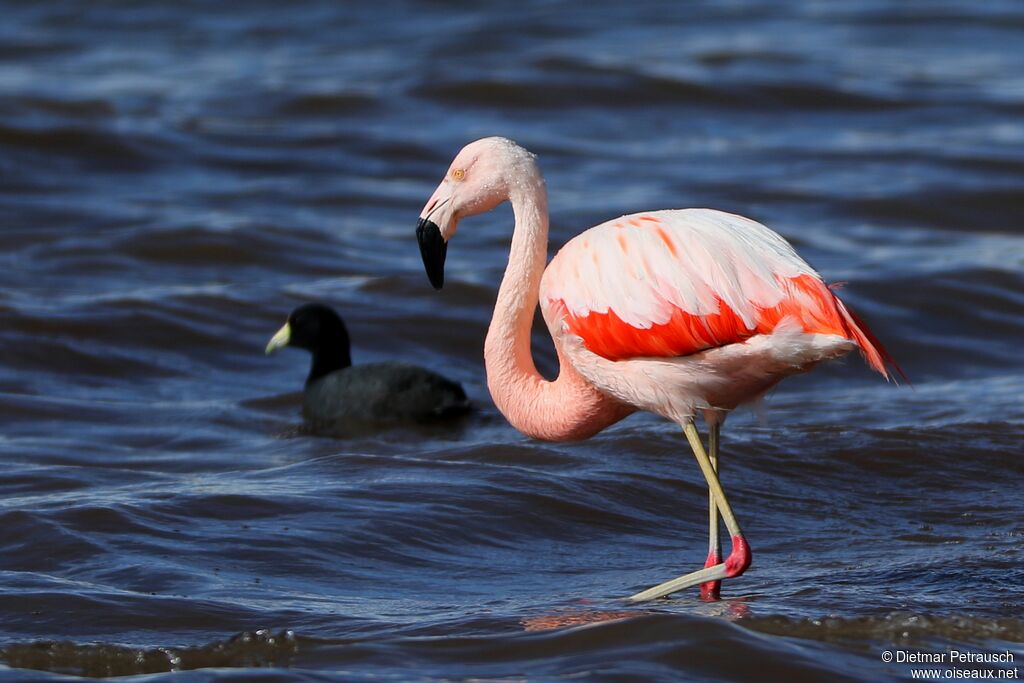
(433, 249)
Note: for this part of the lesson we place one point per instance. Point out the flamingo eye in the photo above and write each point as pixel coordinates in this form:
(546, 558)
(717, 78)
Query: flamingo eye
(458, 174)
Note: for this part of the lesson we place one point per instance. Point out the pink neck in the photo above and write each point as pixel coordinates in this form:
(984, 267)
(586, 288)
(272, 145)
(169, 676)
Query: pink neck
(568, 408)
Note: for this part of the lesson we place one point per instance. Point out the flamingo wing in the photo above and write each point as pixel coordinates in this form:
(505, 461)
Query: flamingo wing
(672, 283)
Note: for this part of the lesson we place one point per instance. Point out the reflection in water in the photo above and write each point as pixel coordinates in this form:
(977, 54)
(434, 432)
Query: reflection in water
(731, 609)
(574, 618)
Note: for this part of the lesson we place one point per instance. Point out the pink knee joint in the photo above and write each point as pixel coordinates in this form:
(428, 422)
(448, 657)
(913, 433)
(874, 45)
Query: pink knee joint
(711, 590)
(739, 558)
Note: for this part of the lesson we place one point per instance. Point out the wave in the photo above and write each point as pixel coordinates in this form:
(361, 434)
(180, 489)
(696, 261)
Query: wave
(575, 641)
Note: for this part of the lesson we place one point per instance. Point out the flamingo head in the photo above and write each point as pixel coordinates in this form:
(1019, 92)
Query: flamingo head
(480, 178)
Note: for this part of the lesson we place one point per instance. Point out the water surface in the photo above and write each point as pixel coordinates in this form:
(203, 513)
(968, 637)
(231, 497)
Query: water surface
(175, 178)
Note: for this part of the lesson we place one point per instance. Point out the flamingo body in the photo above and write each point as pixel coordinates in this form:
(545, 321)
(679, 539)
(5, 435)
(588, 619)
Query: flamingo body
(638, 302)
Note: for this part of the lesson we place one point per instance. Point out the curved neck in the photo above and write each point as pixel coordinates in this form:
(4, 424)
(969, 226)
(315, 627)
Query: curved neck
(570, 407)
(327, 359)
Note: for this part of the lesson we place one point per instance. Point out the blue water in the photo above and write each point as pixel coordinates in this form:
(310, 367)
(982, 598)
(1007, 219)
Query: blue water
(175, 178)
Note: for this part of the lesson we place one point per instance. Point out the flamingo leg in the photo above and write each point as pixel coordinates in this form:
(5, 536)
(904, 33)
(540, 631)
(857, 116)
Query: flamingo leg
(712, 590)
(739, 556)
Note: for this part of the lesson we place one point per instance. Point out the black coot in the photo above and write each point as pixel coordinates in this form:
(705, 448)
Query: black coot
(339, 394)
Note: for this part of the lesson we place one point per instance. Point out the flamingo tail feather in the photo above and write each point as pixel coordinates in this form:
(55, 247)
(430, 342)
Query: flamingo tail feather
(874, 352)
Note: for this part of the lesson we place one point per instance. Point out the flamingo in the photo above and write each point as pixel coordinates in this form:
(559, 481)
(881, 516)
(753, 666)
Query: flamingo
(674, 312)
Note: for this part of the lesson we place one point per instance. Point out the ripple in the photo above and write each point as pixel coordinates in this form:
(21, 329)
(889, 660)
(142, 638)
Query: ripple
(251, 649)
(91, 147)
(574, 85)
(175, 182)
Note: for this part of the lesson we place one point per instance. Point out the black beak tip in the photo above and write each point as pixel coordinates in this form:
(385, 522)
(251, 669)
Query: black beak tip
(433, 249)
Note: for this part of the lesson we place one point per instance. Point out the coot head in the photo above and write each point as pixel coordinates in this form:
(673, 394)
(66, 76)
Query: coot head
(319, 330)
